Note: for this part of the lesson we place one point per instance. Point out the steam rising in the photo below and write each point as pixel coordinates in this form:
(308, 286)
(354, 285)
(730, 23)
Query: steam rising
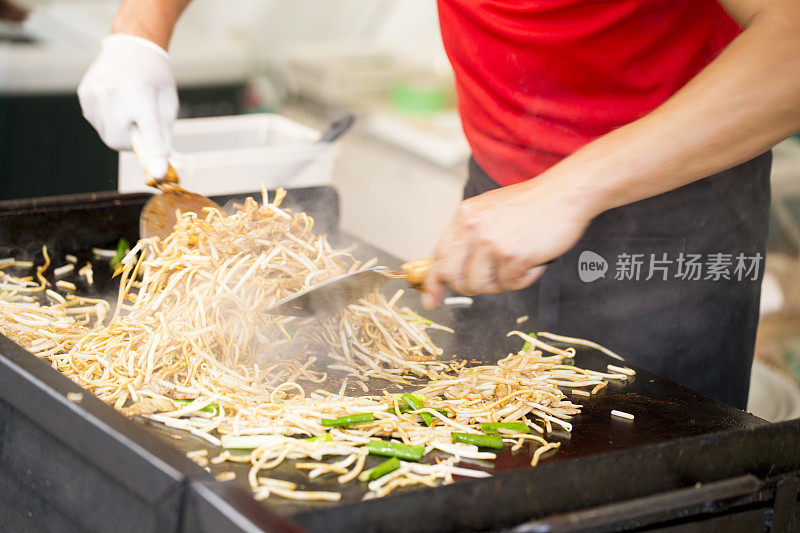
(189, 319)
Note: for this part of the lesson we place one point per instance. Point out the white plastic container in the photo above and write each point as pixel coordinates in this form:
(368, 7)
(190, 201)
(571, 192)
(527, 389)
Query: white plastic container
(236, 154)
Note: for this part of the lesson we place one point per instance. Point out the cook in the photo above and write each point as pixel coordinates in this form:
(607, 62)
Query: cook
(627, 139)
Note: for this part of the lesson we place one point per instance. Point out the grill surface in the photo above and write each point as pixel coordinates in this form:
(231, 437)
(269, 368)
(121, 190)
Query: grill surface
(678, 437)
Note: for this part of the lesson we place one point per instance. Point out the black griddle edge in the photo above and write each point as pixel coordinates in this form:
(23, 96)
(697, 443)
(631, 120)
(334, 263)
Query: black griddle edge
(82, 466)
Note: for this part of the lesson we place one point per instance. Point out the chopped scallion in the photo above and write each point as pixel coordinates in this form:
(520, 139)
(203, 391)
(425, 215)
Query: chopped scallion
(407, 452)
(348, 420)
(482, 441)
(381, 470)
(492, 427)
(416, 404)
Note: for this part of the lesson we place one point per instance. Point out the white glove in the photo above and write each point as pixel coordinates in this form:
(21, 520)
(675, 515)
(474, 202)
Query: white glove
(131, 83)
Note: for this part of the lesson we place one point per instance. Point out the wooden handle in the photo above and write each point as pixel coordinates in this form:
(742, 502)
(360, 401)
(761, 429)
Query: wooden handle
(415, 271)
(169, 180)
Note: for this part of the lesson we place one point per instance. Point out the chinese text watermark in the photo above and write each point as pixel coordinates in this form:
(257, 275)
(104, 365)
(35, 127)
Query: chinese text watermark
(663, 266)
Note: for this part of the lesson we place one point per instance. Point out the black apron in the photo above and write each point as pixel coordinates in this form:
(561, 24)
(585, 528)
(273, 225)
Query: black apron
(687, 322)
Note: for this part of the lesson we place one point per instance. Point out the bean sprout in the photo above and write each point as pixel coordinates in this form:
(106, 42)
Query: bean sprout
(188, 345)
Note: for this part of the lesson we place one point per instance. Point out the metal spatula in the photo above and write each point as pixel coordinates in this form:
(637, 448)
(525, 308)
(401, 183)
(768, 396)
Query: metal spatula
(333, 294)
(330, 296)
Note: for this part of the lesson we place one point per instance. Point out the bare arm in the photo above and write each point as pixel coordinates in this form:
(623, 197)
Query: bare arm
(743, 103)
(152, 19)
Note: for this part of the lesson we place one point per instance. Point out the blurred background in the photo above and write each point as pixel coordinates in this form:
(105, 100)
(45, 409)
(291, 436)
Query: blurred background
(399, 172)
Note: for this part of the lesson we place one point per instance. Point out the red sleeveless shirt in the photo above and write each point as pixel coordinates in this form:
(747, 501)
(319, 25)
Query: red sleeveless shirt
(538, 79)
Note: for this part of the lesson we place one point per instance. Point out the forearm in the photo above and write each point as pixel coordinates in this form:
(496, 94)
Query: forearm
(152, 19)
(743, 103)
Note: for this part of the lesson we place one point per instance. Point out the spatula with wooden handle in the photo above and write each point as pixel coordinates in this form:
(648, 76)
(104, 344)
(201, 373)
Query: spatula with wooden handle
(158, 214)
(157, 218)
(331, 295)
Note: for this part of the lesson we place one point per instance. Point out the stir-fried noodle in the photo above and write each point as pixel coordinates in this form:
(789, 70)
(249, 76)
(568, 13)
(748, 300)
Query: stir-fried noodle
(188, 344)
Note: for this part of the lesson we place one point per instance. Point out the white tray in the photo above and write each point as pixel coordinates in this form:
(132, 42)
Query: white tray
(236, 154)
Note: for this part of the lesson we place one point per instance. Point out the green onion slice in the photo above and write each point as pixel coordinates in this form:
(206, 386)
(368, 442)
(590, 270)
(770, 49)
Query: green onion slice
(416, 404)
(492, 427)
(482, 441)
(527, 346)
(348, 420)
(407, 452)
(212, 408)
(389, 465)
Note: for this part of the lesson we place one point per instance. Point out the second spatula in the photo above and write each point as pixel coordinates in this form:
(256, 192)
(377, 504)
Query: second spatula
(331, 295)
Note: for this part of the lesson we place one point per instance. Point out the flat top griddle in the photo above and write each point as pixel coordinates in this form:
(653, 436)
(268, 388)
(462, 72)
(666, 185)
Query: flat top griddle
(663, 447)
(662, 412)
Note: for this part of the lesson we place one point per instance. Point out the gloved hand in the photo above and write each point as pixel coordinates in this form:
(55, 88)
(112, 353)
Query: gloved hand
(131, 83)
